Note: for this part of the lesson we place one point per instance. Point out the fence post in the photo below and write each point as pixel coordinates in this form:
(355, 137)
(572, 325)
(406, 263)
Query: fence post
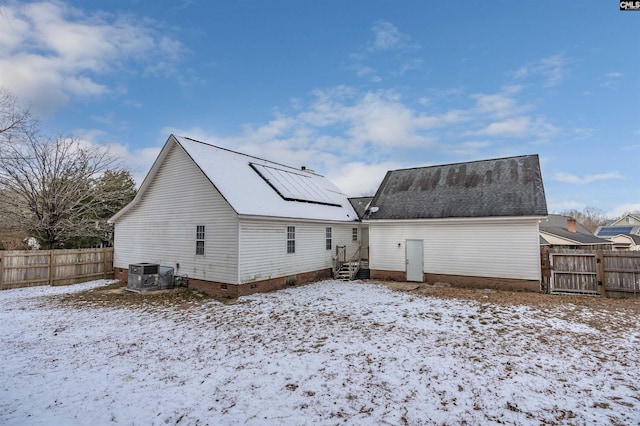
(545, 269)
(1, 270)
(51, 267)
(602, 290)
(104, 263)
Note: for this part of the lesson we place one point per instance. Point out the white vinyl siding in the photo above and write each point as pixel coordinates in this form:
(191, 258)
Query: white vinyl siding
(162, 226)
(262, 241)
(491, 248)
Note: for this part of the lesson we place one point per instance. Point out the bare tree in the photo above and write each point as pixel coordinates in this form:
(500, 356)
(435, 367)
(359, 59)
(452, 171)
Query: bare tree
(15, 121)
(56, 190)
(49, 187)
(590, 217)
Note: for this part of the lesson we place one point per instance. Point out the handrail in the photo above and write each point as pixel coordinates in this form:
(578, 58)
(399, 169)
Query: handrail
(341, 258)
(354, 263)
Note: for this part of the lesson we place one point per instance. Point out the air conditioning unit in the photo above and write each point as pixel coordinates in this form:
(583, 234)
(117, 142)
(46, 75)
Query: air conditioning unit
(143, 277)
(165, 277)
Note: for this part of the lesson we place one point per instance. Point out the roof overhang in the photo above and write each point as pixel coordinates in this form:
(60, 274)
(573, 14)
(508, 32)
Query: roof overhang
(570, 241)
(453, 220)
(295, 219)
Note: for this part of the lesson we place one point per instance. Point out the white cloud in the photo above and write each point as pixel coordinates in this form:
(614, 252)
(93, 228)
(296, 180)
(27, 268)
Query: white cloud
(137, 161)
(470, 148)
(556, 206)
(573, 179)
(582, 132)
(552, 69)
(519, 127)
(395, 46)
(611, 79)
(621, 209)
(359, 179)
(351, 135)
(512, 127)
(50, 52)
(499, 105)
(380, 120)
(387, 36)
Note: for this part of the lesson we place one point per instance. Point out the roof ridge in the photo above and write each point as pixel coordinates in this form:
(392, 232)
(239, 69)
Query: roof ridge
(247, 155)
(465, 162)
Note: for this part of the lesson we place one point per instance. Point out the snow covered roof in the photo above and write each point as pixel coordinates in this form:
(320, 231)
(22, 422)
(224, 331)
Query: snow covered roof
(256, 187)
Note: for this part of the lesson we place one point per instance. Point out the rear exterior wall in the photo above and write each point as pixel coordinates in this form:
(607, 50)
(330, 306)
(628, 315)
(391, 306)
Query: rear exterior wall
(494, 248)
(263, 247)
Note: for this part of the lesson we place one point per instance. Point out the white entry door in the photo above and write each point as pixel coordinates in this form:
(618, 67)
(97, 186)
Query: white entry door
(414, 260)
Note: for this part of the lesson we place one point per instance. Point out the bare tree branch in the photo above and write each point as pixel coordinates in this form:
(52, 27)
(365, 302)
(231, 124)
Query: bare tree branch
(55, 189)
(14, 120)
(590, 217)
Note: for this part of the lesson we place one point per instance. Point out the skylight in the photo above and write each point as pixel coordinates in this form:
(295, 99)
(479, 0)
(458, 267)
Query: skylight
(293, 185)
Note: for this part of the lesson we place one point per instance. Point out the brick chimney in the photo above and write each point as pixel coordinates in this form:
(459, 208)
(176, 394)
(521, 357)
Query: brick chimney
(571, 225)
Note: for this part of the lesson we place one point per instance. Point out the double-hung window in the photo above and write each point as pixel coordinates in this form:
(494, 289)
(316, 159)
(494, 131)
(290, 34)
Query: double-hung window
(291, 239)
(354, 234)
(200, 240)
(328, 238)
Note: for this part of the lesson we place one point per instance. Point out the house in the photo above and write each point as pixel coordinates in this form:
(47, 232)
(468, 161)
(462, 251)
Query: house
(474, 224)
(626, 242)
(557, 231)
(628, 224)
(233, 223)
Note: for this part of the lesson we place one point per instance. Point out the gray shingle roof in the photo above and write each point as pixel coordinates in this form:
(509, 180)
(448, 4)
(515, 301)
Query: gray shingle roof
(500, 187)
(360, 204)
(556, 224)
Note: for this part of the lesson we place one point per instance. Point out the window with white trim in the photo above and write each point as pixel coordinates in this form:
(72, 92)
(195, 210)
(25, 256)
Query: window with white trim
(200, 240)
(328, 238)
(354, 234)
(291, 239)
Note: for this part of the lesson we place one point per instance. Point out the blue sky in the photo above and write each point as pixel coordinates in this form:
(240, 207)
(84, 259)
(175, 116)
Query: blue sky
(350, 89)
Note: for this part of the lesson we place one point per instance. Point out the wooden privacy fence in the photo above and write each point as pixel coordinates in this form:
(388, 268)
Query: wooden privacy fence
(604, 273)
(25, 268)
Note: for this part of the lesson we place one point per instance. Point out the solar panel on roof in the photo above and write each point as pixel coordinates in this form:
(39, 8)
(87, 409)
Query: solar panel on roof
(293, 186)
(610, 231)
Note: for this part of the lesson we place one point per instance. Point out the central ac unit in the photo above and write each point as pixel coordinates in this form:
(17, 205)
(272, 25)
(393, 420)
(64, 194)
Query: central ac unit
(143, 277)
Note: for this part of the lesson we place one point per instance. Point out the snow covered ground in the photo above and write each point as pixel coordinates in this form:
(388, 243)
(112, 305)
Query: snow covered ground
(326, 353)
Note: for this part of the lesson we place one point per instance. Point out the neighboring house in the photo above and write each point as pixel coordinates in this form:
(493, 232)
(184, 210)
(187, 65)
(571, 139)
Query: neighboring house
(626, 242)
(557, 231)
(626, 220)
(470, 223)
(627, 225)
(235, 224)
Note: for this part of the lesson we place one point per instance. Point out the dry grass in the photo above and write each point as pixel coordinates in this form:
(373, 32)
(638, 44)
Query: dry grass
(593, 310)
(603, 314)
(116, 295)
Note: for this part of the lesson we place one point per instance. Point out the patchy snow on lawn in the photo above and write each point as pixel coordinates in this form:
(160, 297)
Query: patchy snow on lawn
(325, 353)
